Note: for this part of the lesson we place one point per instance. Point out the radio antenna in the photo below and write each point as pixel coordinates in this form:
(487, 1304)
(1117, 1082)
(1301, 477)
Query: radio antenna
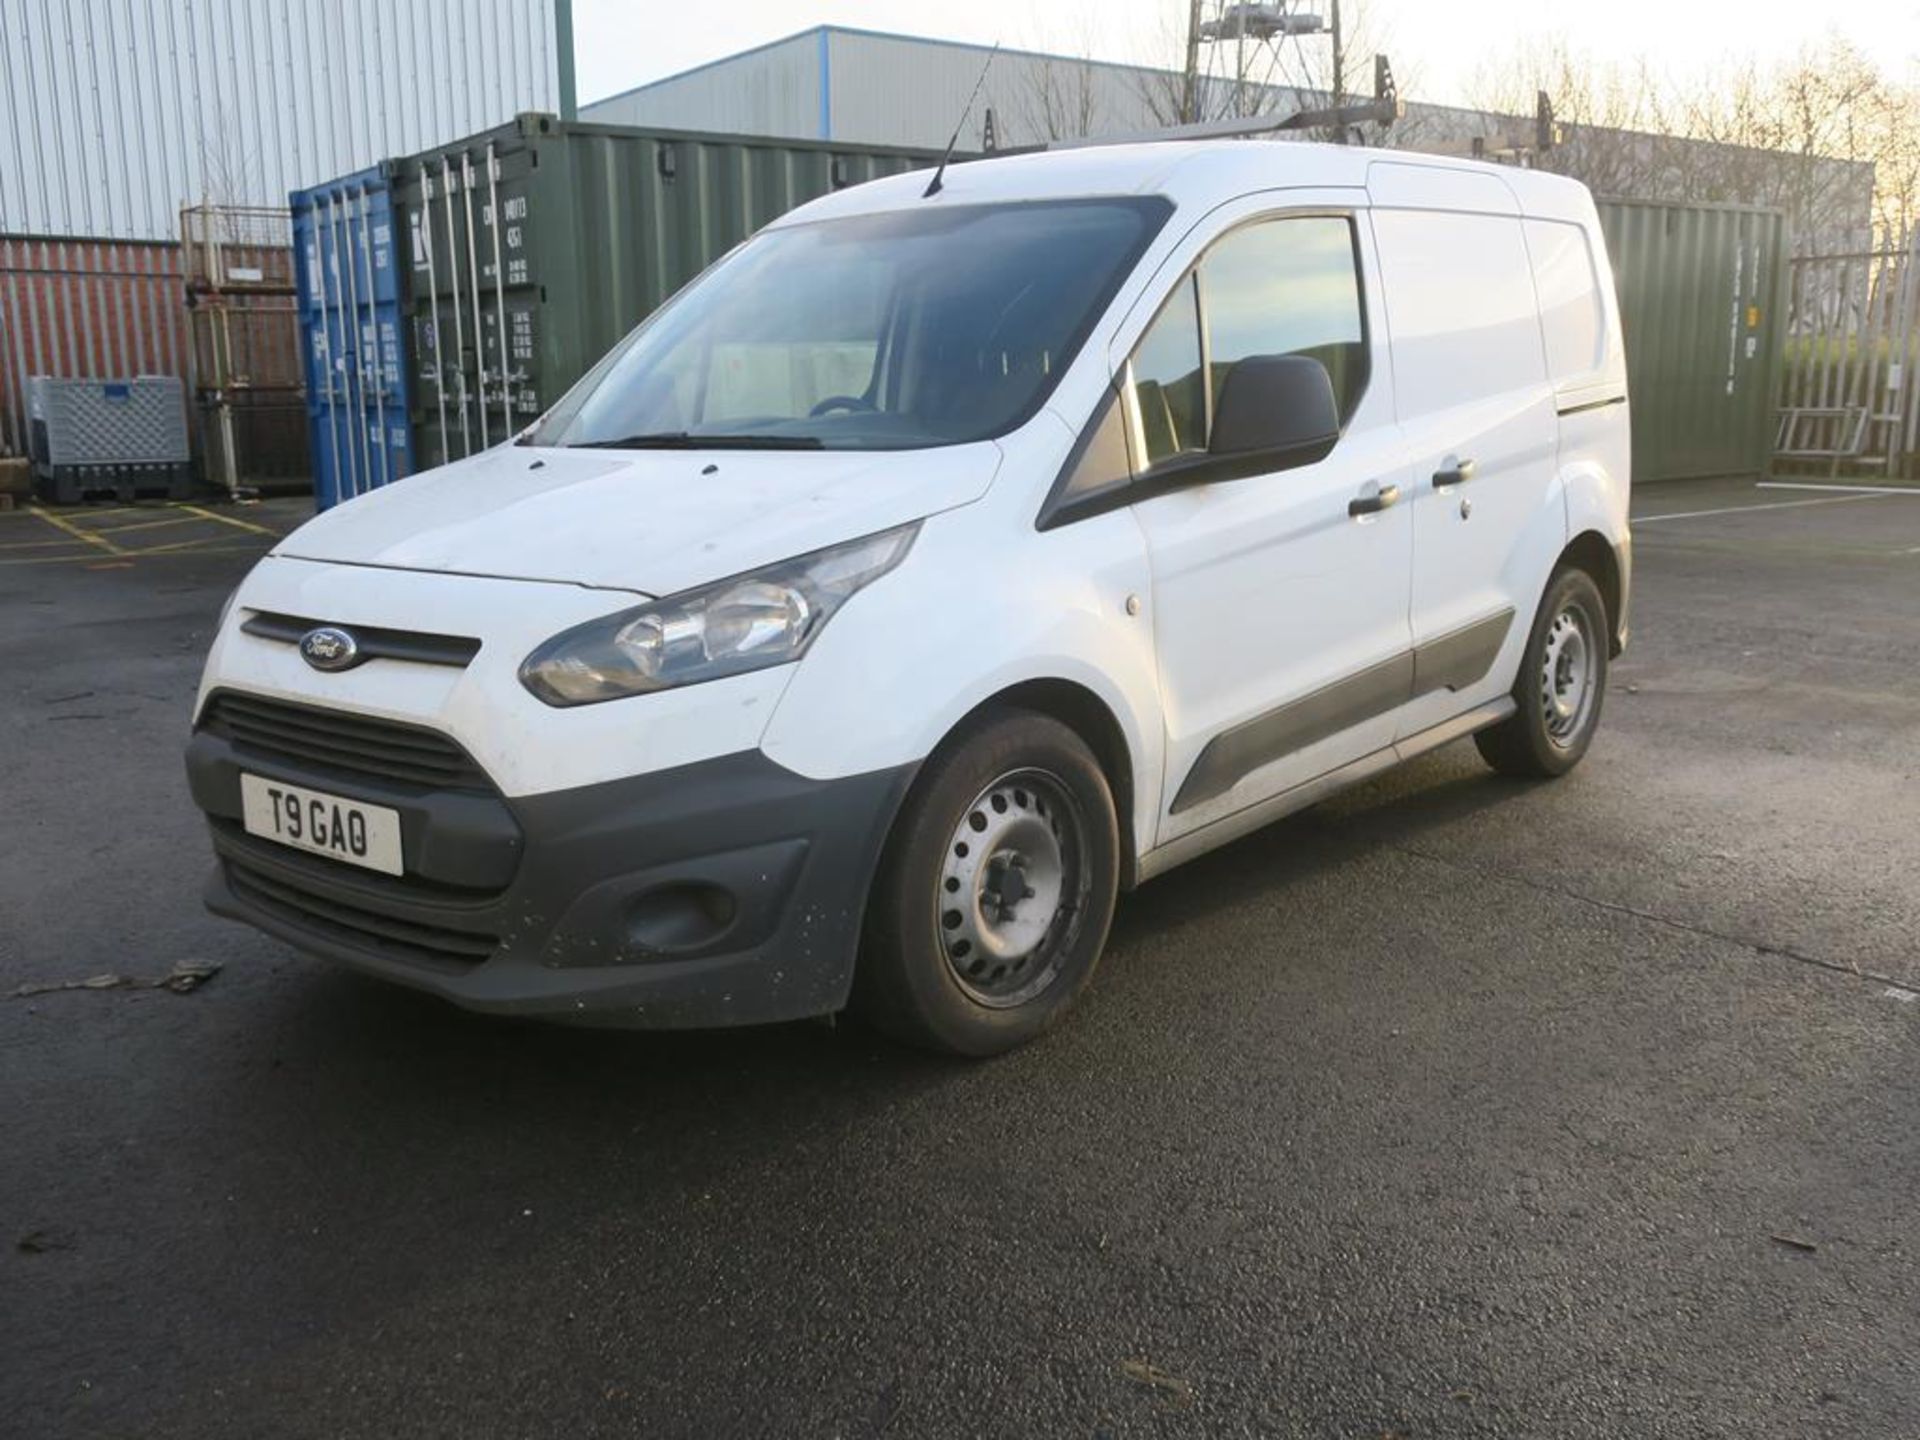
(933, 185)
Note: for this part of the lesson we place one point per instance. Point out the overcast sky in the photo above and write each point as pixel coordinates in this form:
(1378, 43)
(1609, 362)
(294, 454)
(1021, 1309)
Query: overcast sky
(1435, 47)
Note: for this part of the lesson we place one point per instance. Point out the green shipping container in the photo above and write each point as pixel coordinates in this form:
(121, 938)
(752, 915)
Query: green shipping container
(598, 224)
(1700, 289)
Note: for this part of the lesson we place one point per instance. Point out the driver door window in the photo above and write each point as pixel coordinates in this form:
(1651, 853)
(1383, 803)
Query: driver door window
(1278, 287)
(1167, 384)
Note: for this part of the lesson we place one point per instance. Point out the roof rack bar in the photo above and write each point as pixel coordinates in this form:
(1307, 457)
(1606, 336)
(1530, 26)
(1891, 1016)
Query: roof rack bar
(1385, 108)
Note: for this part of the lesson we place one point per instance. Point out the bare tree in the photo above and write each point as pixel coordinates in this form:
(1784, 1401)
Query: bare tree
(1061, 95)
(1798, 136)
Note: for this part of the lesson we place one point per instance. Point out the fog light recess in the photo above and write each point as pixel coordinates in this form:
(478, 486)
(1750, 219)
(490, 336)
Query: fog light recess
(675, 919)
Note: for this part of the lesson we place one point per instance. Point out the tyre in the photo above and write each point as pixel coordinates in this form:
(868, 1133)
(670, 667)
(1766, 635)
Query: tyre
(993, 899)
(1562, 683)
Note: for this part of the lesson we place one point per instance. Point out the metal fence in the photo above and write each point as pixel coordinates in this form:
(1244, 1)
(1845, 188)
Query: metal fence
(1849, 401)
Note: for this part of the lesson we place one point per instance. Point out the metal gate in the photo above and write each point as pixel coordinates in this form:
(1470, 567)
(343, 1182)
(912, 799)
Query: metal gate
(1849, 400)
(350, 292)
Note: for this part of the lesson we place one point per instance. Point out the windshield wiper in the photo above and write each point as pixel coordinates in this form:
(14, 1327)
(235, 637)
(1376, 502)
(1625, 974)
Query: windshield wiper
(686, 440)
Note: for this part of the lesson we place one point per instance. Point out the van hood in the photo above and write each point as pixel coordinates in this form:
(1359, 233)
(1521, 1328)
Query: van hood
(649, 521)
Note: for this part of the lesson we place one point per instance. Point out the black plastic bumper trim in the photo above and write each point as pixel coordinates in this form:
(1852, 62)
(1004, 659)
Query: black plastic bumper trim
(585, 929)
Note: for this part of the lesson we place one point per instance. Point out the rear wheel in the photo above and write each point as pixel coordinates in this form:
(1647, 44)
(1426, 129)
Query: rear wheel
(1562, 683)
(993, 900)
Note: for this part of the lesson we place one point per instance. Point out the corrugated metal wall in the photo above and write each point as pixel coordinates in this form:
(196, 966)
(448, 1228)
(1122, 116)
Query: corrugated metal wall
(770, 90)
(85, 308)
(895, 91)
(1699, 290)
(118, 112)
(890, 90)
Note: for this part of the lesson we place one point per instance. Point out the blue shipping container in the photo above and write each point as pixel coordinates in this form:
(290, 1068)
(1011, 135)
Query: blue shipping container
(351, 321)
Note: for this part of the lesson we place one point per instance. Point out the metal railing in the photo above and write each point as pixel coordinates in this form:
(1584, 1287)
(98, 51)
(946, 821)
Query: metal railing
(1848, 401)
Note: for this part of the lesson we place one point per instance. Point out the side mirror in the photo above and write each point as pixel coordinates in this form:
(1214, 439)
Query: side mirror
(1278, 409)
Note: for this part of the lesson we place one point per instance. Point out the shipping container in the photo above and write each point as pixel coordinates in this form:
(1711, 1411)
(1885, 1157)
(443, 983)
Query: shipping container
(598, 225)
(351, 300)
(1700, 290)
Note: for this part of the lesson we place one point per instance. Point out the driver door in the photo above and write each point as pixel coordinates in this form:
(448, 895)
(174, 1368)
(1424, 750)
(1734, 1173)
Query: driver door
(1280, 601)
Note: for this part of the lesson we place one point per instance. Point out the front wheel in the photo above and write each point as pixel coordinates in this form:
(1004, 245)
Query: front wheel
(1563, 680)
(992, 904)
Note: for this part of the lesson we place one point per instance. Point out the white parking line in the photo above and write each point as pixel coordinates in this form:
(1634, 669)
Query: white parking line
(1742, 509)
(1856, 489)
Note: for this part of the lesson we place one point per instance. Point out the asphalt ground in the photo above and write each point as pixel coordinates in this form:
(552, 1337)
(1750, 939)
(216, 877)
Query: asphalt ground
(1455, 1106)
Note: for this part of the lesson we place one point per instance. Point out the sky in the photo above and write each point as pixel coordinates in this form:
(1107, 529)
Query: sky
(1436, 49)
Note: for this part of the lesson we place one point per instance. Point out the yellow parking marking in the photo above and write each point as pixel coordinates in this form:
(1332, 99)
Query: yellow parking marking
(146, 525)
(84, 541)
(176, 545)
(125, 561)
(229, 520)
(60, 522)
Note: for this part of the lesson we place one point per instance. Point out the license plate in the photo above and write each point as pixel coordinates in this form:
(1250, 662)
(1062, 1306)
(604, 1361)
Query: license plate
(323, 824)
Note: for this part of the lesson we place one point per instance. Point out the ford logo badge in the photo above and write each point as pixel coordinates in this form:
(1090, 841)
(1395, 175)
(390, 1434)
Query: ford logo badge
(328, 647)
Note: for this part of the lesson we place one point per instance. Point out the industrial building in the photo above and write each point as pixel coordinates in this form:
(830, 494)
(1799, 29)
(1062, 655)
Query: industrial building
(864, 87)
(120, 113)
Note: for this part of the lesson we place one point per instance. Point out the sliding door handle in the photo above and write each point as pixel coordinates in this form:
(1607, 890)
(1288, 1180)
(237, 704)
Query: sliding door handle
(1373, 500)
(1456, 473)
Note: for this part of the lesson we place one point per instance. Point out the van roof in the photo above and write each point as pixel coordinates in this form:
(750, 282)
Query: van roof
(1199, 174)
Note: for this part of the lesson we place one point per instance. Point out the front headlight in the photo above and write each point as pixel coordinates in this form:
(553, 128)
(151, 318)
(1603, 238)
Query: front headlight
(767, 617)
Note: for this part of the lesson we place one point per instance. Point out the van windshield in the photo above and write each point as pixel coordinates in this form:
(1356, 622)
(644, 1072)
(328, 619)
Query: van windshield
(893, 331)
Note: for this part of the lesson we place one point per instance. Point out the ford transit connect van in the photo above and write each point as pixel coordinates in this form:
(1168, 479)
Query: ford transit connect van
(932, 568)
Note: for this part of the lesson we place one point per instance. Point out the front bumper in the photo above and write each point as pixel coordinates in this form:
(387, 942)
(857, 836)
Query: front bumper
(725, 892)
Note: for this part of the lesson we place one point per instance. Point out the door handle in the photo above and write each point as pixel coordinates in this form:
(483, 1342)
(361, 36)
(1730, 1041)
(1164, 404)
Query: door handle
(1458, 473)
(1373, 501)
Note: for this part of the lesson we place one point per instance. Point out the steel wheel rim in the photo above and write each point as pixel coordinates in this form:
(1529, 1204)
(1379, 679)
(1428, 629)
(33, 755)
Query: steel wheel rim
(1012, 888)
(1568, 680)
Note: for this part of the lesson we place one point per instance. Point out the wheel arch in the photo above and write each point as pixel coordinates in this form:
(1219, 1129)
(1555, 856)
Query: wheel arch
(1085, 713)
(1594, 553)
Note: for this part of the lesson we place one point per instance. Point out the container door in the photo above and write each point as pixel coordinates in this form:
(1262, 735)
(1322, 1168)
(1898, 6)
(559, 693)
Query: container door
(350, 309)
(475, 303)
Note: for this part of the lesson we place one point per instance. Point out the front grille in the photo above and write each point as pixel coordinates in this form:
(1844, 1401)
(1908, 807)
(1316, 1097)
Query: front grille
(341, 741)
(411, 942)
(376, 642)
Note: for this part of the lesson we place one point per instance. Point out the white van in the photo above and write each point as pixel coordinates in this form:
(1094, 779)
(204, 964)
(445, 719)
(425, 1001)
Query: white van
(931, 569)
